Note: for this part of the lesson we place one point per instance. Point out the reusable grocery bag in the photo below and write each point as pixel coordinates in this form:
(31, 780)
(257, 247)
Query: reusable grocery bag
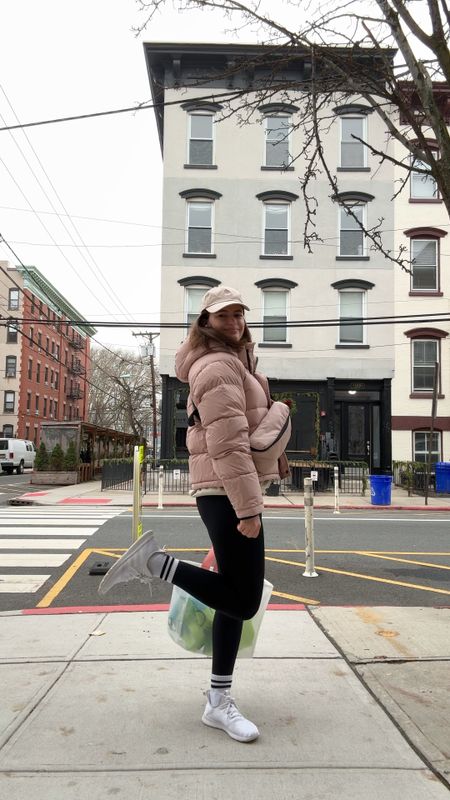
(190, 623)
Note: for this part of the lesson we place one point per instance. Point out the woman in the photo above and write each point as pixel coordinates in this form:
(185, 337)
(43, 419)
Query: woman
(227, 401)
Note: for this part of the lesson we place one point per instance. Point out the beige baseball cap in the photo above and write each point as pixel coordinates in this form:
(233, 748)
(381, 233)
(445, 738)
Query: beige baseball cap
(221, 297)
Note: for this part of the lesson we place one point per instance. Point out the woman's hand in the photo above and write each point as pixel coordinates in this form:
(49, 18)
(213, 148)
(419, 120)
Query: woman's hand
(250, 527)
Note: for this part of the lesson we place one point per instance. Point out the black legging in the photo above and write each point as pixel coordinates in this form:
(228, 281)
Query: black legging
(235, 590)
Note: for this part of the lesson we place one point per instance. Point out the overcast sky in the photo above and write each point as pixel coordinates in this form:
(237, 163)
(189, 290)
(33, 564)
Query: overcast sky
(66, 57)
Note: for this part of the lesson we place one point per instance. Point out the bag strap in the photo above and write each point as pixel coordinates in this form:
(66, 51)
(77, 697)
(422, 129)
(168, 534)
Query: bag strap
(192, 418)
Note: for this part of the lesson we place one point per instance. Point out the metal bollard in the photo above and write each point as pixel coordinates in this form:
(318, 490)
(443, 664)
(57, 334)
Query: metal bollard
(310, 571)
(160, 486)
(336, 491)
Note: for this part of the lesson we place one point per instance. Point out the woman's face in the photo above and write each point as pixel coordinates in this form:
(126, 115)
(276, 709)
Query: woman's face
(230, 322)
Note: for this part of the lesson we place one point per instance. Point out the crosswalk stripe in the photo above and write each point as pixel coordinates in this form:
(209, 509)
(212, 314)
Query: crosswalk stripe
(21, 583)
(43, 531)
(50, 522)
(41, 544)
(33, 559)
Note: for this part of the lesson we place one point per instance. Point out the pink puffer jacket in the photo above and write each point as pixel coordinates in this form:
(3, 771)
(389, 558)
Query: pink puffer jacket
(231, 399)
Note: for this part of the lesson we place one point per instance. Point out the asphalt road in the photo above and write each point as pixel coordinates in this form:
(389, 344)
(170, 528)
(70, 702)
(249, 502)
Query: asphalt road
(371, 558)
(14, 485)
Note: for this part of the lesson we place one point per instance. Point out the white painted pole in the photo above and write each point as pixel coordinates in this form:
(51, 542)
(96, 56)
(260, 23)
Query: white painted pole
(160, 486)
(336, 491)
(310, 571)
(136, 527)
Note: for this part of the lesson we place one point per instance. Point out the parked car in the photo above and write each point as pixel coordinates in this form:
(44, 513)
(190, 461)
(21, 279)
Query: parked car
(16, 454)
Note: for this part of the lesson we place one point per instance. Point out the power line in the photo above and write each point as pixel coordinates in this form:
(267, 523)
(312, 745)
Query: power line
(102, 282)
(141, 107)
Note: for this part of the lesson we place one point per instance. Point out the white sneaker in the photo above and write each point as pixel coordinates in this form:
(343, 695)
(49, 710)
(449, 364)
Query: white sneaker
(133, 564)
(227, 717)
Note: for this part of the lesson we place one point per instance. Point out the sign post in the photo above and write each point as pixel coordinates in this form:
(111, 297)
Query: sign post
(138, 460)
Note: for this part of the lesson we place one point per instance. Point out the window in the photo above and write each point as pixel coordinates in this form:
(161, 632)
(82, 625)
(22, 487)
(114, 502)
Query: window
(50, 407)
(11, 366)
(193, 299)
(31, 338)
(47, 344)
(30, 369)
(38, 372)
(44, 407)
(275, 310)
(39, 339)
(55, 409)
(56, 380)
(423, 185)
(353, 152)
(201, 144)
(28, 402)
(351, 235)
(276, 229)
(425, 355)
(351, 312)
(421, 446)
(8, 431)
(200, 224)
(13, 299)
(9, 402)
(424, 258)
(11, 334)
(277, 141)
(36, 404)
(27, 430)
(46, 375)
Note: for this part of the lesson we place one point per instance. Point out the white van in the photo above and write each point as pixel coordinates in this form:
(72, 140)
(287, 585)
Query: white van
(16, 454)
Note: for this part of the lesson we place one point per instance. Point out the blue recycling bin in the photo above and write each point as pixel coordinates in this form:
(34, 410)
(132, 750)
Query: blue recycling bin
(380, 490)
(442, 477)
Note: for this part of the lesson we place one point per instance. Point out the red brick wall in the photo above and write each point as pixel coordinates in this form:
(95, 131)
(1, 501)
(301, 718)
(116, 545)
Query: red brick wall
(48, 341)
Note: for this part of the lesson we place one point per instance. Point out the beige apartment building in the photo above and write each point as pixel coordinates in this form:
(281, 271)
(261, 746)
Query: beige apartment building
(234, 213)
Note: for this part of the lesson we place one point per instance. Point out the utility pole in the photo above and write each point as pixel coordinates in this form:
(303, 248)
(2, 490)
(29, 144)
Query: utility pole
(150, 351)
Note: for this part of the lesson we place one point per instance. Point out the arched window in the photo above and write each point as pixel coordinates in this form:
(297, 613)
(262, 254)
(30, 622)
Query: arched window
(200, 134)
(423, 186)
(352, 311)
(352, 135)
(425, 353)
(195, 287)
(352, 223)
(275, 309)
(276, 223)
(425, 259)
(199, 222)
(277, 135)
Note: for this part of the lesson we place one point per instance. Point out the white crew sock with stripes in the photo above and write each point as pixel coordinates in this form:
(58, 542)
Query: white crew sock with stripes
(219, 685)
(163, 566)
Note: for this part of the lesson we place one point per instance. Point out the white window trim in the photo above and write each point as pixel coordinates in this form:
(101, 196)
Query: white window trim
(205, 201)
(435, 433)
(263, 248)
(187, 289)
(364, 136)
(437, 265)
(189, 137)
(425, 392)
(424, 198)
(288, 139)
(364, 314)
(287, 294)
(364, 222)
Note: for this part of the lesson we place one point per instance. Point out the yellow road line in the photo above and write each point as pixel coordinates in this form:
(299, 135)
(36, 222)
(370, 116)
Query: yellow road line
(365, 577)
(405, 560)
(298, 599)
(64, 579)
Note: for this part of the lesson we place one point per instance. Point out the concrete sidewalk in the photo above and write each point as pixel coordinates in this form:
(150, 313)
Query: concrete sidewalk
(104, 704)
(90, 493)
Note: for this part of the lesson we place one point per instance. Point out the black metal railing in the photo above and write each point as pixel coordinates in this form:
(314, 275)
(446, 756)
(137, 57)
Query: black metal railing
(117, 474)
(411, 475)
(353, 477)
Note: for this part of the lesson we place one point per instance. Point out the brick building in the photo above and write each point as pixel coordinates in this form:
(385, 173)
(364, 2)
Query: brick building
(46, 356)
